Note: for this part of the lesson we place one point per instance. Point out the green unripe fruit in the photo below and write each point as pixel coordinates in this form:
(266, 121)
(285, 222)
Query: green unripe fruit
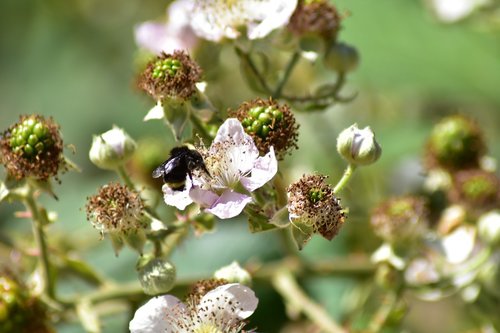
(39, 147)
(28, 150)
(40, 131)
(166, 67)
(255, 112)
(341, 57)
(25, 132)
(278, 115)
(256, 126)
(265, 118)
(32, 139)
(157, 276)
(246, 122)
(264, 131)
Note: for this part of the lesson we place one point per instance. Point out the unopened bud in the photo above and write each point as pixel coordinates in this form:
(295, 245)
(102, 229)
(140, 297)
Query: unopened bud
(157, 276)
(341, 58)
(358, 146)
(111, 149)
(233, 273)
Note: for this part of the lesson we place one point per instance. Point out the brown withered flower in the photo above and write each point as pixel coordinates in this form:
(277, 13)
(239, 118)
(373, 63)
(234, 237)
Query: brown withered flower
(32, 147)
(170, 76)
(269, 124)
(477, 189)
(316, 17)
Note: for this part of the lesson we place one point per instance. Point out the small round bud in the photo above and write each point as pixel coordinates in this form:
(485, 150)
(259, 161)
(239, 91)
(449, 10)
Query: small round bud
(456, 142)
(489, 228)
(111, 149)
(341, 57)
(315, 18)
(358, 146)
(170, 76)
(234, 274)
(313, 208)
(400, 220)
(32, 148)
(157, 276)
(269, 124)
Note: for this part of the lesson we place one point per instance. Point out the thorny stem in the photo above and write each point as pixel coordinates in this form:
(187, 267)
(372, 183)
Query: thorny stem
(345, 178)
(286, 75)
(40, 239)
(284, 282)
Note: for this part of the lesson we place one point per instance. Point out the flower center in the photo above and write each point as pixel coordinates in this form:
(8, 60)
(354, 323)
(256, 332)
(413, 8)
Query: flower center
(164, 68)
(30, 138)
(226, 165)
(207, 328)
(262, 120)
(316, 195)
(479, 187)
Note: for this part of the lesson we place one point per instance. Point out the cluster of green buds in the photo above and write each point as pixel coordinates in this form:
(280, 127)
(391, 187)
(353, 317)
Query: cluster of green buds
(170, 76)
(19, 311)
(164, 68)
(32, 148)
(269, 124)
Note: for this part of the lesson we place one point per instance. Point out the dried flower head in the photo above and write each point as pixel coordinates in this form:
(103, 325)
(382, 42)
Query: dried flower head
(269, 124)
(400, 219)
(477, 189)
(201, 288)
(313, 206)
(219, 310)
(170, 76)
(316, 17)
(32, 148)
(20, 312)
(456, 143)
(115, 208)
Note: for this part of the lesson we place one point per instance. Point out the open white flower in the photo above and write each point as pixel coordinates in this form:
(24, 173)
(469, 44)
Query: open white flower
(218, 19)
(176, 34)
(234, 166)
(450, 11)
(222, 310)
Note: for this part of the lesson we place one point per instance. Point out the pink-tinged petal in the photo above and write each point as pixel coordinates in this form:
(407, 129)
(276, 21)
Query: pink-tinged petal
(230, 204)
(179, 12)
(228, 303)
(264, 169)
(151, 36)
(178, 199)
(203, 197)
(151, 317)
(231, 129)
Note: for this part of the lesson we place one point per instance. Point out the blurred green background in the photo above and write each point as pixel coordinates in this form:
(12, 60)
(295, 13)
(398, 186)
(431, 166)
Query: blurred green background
(74, 60)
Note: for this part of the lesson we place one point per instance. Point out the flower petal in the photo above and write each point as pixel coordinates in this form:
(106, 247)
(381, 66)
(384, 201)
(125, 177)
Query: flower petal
(229, 204)
(459, 244)
(151, 317)
(264, 169)
(232, 130)
(178, 199)
(203, 197)
(228, 303)
(281, 13)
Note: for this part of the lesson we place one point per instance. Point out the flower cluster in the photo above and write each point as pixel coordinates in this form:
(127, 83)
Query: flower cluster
(234, 169)
(222, 309)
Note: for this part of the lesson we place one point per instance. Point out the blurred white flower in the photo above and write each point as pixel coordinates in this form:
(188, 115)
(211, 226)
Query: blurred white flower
(176, 34)
(459, 244)
(222, 310)
(450, 11)
(218, 19)
(421, 271)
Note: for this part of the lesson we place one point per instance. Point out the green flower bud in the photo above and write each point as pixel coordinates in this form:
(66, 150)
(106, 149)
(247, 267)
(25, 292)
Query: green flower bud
(157, 276)
(489, 228)
(341, 58)
(358, 146)
(233, 273)
(111, 149)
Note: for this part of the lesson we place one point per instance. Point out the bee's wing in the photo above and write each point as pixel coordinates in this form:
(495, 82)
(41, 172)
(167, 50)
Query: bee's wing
(166, 167)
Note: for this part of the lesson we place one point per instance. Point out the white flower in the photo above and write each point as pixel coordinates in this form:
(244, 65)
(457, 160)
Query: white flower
(111, 149)
(222, 310)
(455, 10)
(234, 165)
(421, 271)
(459, 244)
(218, 19)
(176, 34)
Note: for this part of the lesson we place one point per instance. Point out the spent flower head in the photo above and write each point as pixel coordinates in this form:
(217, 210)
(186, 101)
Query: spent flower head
(314, 208)
(111, 149)
(33, 148)
(358, 146)
(315, 18)
(119, 212)
(269, 124)
(170, 76)
(223, 309)
(477, 189)
(234, 169)
(400, 219)
(455, 143)
(216, 20)
(176, 34)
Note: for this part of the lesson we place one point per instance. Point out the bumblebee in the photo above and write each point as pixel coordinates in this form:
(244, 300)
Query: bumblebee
(181, 163)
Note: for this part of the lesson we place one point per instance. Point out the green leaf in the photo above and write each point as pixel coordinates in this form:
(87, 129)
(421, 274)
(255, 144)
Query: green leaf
(280, 218)
(301, 235)
(258, 222)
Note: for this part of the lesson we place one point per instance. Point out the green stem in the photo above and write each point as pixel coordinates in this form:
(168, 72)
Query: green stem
(246, 57)
(380, 317)
(331, 94)
(125, 177)
(40, 239)
(345, 178)
(286, 75)
(285, 284)
(200, 128)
